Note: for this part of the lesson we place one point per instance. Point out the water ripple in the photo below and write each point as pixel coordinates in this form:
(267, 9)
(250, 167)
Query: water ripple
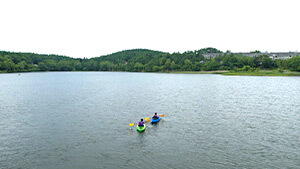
(80, 120)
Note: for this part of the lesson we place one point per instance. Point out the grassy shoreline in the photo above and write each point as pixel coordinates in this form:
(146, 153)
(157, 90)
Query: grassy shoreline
(220, 72)
(198, 72)
(242, 73)
(263, 73)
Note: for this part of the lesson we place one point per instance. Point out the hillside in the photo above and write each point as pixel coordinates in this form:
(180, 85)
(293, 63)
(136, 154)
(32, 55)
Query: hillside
(133, 55)
(144, 60)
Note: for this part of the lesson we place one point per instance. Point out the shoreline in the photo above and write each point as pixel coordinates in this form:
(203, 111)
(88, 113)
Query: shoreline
(242, 73)
(219, 72)
(198, 72)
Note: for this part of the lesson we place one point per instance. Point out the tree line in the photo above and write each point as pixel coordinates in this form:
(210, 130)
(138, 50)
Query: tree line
(143, 60)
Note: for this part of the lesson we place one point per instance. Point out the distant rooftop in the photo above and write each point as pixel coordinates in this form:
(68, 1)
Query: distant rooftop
(273, 55)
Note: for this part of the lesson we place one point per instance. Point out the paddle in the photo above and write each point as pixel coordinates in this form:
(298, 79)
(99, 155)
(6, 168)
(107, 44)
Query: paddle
(147, 120)
(162, 115)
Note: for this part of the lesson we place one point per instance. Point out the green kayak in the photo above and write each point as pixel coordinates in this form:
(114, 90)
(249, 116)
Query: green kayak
(141, 128)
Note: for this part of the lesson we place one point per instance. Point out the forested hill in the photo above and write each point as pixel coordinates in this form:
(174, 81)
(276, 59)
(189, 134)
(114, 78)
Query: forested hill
(144, 60)
(24, 62)
(133, 55)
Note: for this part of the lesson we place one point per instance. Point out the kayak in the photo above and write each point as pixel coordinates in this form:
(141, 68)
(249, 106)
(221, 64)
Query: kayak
(155, 120)
(141, 128)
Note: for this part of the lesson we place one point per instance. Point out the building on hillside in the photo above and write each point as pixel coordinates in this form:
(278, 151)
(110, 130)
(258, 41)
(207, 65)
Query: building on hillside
(211, 55)
(273, 55)
(284, 56)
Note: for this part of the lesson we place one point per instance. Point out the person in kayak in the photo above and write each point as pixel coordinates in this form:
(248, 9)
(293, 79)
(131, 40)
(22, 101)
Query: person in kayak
(141, 123)
(155, 116)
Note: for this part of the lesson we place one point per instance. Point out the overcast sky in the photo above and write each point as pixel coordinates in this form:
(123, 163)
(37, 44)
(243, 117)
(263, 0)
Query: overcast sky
(90, 28)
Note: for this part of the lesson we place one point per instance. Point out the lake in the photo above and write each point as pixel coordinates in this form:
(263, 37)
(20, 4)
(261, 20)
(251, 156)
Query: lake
(81, 120)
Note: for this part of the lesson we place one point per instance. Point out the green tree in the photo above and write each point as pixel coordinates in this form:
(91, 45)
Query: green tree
(267, 62)
(294, 63)
(9, 65)
(51, 65)
(167, 65)
(64, 65)
(22, 66)
(106, 66)
(2, 66)
(246, 68)
(187, 65)
(42, 66)
(173, 66)
(212, 65)
(156, 68)
(256, 51)
(198, 66)
(138, 67)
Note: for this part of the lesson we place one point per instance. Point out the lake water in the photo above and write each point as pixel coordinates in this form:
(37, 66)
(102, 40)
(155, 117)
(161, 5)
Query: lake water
(81, 120)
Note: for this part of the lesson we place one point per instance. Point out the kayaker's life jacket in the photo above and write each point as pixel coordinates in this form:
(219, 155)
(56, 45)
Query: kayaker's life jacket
(155, 117)
(141, 123)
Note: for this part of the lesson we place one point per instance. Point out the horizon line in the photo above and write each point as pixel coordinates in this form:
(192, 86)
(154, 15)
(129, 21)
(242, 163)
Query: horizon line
(296, 51)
